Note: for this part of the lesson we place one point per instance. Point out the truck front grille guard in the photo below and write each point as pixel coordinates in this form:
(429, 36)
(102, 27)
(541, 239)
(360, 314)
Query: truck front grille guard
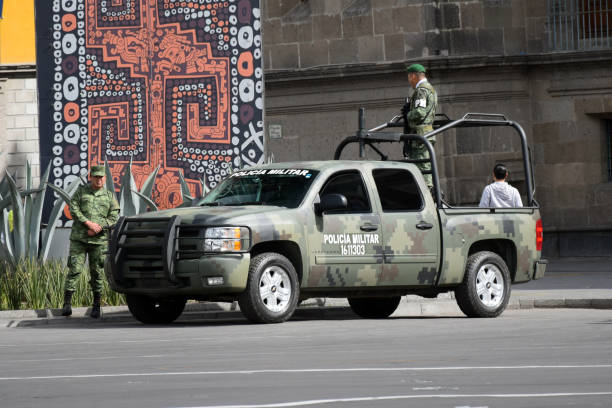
(161, 245)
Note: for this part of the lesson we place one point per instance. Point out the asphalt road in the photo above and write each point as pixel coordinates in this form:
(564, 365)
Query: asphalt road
(525, 358)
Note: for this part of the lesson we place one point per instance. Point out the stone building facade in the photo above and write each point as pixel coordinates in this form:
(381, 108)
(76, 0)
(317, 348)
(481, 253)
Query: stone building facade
(18, 95)
(326, 59)
(19, 123)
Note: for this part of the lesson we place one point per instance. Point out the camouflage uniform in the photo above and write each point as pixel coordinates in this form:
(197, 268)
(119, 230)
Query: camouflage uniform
(423, 104)
(99, 206)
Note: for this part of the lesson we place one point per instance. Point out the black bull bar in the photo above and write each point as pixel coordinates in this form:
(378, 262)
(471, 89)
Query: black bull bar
(161, 244)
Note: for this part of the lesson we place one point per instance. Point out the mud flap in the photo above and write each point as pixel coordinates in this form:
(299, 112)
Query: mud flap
(539, 268)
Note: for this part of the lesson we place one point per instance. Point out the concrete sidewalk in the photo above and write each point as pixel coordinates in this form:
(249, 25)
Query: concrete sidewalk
(568, 283)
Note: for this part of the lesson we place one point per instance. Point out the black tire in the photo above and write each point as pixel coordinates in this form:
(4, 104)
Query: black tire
(149, 310)
(374, 308)
(276, 273)
(487, 271)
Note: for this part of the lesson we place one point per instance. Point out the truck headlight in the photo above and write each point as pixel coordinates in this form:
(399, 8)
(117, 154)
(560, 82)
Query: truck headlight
(226, 239)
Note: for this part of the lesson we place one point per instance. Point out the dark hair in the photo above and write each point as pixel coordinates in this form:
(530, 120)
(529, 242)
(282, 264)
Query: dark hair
(500, 171)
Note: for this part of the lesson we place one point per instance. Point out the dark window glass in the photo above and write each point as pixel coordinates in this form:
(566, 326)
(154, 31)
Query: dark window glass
(398, 190)
(351, 186)
(279, 187)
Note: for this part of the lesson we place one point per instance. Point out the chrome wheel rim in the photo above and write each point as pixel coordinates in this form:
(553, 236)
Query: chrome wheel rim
(490, 285)
(275, 289)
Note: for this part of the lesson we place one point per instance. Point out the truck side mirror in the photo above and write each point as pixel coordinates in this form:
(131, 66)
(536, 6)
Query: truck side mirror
(330, 202)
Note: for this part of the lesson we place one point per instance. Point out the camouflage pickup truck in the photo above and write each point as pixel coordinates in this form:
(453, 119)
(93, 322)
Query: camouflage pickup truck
(371, 231)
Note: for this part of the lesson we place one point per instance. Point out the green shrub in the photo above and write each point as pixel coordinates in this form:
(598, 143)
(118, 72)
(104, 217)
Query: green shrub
(33, 284)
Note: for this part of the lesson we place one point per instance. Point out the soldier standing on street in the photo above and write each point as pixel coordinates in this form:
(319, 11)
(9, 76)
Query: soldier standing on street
(94, 209)
(419, 112)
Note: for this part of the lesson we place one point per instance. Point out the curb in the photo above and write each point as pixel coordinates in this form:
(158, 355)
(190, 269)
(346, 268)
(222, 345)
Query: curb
(312, 308)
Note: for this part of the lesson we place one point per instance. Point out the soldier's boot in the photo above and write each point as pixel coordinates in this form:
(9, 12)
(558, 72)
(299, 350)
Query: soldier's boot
(67, 308)
(95, 309)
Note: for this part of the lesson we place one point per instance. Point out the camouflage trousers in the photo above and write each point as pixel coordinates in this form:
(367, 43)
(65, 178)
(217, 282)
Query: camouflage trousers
(418, 151)
(76, 263)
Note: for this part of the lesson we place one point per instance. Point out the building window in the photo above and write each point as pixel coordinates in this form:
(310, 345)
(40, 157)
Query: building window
(579, 24)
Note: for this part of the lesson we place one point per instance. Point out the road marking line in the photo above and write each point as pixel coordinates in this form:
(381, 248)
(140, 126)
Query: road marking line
(186, 339)
(309, 370)
(80, 358)
(405, 397)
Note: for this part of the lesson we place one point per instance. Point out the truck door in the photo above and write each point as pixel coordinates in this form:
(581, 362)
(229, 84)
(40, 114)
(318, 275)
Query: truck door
(410, 229)
(345, 248)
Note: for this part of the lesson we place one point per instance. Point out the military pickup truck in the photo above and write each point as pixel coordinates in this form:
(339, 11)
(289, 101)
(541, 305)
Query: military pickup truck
(271, 236)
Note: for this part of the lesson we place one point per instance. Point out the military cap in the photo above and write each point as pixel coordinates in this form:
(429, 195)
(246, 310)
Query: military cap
(415, 68)
(97, 171)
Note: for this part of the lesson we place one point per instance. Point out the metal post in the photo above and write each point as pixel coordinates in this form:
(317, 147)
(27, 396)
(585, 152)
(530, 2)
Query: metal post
(360, 132)
(601, 10)
(607, 24)
(590, 29)
(554, 13)
(571, 18)
(566, 9)
(550, 43)
(526, 162)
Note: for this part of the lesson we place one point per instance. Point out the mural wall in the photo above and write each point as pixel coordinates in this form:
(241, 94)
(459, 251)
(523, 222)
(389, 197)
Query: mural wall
(160, 82)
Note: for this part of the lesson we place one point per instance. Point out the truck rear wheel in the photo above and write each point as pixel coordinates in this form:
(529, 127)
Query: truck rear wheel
(374, 308)
(272, 291)
(485, 290)
(149, 310)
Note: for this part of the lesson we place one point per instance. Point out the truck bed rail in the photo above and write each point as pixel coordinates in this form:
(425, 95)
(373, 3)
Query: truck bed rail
(374, 136)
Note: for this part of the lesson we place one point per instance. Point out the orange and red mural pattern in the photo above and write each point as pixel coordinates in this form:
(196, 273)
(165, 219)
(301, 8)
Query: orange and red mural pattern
(169, 83)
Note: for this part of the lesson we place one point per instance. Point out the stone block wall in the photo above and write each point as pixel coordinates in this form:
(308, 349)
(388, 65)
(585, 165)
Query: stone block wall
(19, 127)
(299, 34)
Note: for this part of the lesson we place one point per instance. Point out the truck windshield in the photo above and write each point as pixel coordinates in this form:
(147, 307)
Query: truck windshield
(279, 187)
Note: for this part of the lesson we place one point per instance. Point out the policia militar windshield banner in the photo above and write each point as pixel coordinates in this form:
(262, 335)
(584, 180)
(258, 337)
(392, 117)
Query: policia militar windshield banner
(172, 83)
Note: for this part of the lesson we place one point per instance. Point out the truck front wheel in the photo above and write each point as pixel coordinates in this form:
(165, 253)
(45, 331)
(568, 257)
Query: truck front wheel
(485, 290)
(374, 308)
(272, 291)
(149, 310)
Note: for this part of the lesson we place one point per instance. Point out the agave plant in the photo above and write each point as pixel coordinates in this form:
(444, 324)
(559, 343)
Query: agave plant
(132, 201)
(188, 199)
(22, 238)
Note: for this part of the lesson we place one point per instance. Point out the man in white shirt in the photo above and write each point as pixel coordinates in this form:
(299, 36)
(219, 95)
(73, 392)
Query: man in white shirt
(499, 193)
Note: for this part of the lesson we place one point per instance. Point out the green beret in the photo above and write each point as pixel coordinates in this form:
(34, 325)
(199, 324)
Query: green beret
(97, 171)
(415, 68)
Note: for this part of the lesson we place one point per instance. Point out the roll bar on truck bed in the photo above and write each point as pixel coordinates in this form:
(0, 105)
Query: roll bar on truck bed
(374, 136)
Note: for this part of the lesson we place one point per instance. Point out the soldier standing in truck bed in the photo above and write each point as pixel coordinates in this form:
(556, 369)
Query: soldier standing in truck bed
(419, 112)
(94, 209)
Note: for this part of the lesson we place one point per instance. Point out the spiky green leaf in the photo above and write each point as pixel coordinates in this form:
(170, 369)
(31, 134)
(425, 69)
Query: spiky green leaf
(4, 187)
(6, 201)
(7, 246)
(19, 229)
(63, 194)
(110, 184)
(185, 192)
(27, 208)
(126, 198)
(36, 214)
(147, 189)
(149, 203)
(147, 186)
(56, 213)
